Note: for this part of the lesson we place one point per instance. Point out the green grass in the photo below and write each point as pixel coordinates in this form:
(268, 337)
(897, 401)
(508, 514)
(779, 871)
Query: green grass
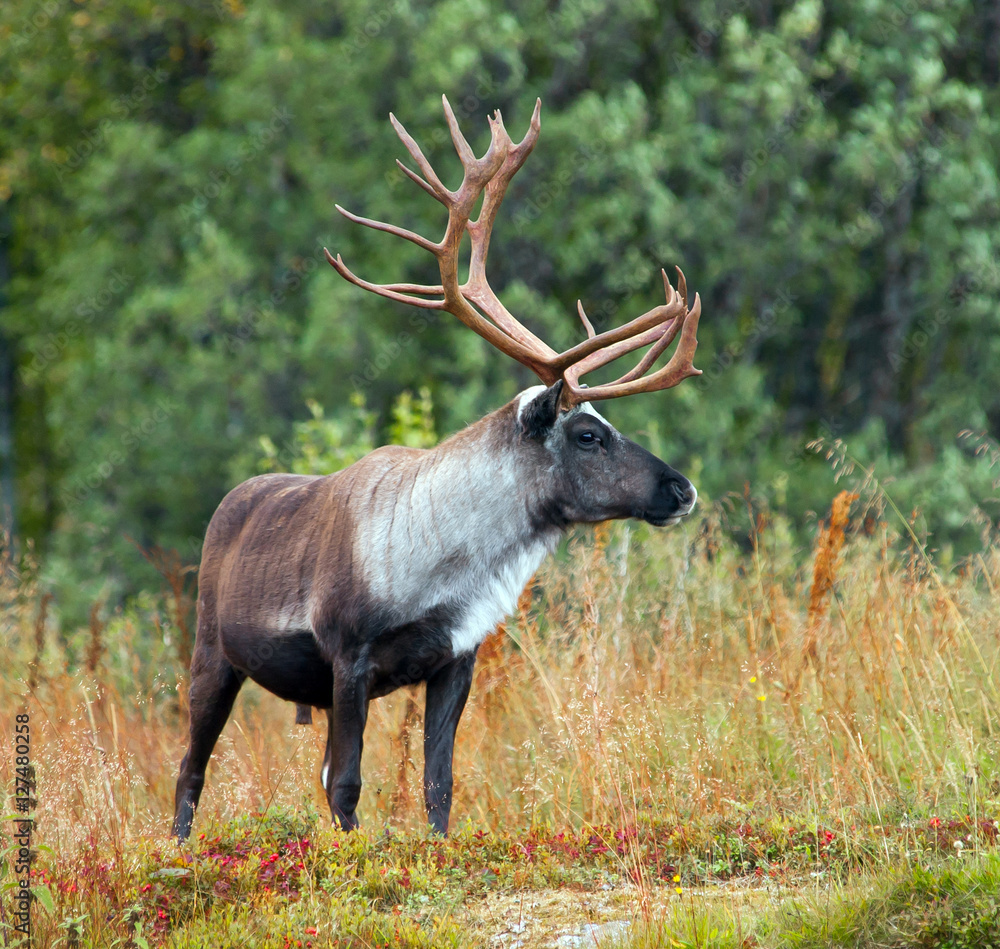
(948, 904)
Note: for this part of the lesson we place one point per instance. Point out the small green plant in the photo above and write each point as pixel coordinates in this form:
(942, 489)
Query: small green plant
(412, 422)
(73, 927)
(323, 444)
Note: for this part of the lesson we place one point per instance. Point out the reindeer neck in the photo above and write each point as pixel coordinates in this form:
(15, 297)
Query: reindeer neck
(451, 529)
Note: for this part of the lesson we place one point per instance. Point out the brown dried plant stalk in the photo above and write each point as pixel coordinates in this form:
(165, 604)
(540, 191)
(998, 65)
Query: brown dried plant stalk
(401, 796)
(828, 546)
(36, 661)
(95, 645)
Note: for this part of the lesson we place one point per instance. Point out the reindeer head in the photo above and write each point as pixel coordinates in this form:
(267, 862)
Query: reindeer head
(587, 471)
(594, 472)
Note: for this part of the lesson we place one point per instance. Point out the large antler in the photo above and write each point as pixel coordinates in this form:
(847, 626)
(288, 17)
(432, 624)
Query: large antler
(656, 329)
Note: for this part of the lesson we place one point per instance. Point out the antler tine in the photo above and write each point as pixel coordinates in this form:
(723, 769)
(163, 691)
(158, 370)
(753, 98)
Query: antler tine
(422, 288)
(621, 334)
(681, 364)
(670, 331)
(433, 185)
(534, 127)
(412, 236)
(390, 291)
(468, 315)
(587, 325)
(463, 148)
(682, 284)
(413, 176)
(660, 336)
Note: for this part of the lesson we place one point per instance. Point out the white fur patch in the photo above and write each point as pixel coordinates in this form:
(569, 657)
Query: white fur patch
(324, 777)
(495, 600)
(454, 536)
(590, 410)
(526, 397)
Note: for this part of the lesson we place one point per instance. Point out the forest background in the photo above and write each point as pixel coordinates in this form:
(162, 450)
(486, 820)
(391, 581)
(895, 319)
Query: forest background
(826, 174)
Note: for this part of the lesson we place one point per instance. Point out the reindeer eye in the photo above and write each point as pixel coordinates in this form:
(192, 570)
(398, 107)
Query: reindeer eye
(587, 438)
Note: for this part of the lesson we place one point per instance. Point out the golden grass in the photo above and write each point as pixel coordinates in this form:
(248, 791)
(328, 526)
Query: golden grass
(646, 672)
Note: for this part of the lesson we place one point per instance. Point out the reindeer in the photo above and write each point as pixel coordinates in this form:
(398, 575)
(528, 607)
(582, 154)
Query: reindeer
(332, 591)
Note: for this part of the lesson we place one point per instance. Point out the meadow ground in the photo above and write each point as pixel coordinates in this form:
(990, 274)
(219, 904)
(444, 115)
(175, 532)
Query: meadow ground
(675, 742)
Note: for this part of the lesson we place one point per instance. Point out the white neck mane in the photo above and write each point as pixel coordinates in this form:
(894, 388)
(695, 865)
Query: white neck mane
(451, 528)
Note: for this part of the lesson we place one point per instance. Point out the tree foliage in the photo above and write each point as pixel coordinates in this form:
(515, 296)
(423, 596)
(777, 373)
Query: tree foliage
(826, 175)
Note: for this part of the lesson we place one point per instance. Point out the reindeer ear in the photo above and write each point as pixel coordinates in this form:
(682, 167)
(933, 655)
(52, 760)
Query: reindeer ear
(540, 414)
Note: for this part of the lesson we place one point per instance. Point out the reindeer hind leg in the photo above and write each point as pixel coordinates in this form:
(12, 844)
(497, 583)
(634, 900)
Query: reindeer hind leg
(214, 687)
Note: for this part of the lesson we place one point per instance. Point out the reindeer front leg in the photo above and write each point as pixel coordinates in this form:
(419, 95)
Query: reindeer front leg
(345, 742)
(447, 691)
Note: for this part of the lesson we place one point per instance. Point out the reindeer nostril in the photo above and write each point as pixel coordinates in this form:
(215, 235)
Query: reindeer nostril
(682, 492)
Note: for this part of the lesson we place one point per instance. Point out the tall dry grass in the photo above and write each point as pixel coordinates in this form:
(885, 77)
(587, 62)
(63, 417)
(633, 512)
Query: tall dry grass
(672, 675)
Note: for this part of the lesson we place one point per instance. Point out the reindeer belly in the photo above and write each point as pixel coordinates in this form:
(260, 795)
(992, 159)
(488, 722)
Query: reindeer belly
(290, 664)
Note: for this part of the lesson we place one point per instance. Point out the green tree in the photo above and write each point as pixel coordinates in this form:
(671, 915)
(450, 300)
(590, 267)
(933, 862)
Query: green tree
(825, 174)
